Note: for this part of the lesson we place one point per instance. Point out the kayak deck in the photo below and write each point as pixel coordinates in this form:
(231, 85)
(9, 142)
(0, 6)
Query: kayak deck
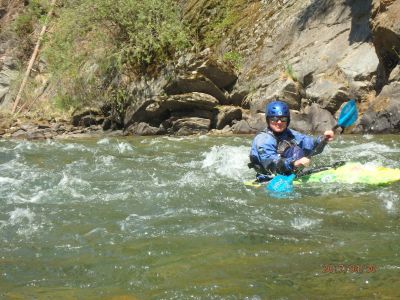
(349, 173)
(352, 173)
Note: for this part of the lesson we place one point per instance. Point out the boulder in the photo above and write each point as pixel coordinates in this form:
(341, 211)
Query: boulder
(237, 97)
(256, 122)
(250, 124)
(143, 128)
(284, 88)
(243, 127)
(143, 92)
(321, 119)
(222, 75)
(226, 130)
(145, 110)
(385, 24)
(328, 93)
(188, 126)
(86, 117)
(90, 120)
(31, 134)
(226, 114)
(20, 134)
(155, 110)
(360, 64)
(300, 121)
(195, 82)
(313, 119)
(194, 100)
(395, 74)
(28, 127)
(383, 114)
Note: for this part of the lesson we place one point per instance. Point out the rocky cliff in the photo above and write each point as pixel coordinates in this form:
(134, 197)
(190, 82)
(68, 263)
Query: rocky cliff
(315, 54)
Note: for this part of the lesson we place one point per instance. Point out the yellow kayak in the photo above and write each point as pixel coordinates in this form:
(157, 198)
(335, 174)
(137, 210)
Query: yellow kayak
(349, 173)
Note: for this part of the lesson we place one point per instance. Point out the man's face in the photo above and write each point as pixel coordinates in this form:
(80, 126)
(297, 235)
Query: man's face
(278, 124)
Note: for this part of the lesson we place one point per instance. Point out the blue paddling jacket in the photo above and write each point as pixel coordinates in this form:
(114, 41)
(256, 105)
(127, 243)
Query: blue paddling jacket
(269, 155)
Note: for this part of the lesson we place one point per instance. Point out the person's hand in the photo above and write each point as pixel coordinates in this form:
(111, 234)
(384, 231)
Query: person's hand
(329, 135)
(302, 162)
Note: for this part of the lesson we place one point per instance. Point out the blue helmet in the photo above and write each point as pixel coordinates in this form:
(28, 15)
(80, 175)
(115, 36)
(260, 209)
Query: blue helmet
(277, 109)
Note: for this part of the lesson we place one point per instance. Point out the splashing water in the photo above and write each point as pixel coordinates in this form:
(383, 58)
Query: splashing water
(227, 161)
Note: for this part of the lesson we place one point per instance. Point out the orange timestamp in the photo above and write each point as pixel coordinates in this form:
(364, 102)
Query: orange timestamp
(348, 268)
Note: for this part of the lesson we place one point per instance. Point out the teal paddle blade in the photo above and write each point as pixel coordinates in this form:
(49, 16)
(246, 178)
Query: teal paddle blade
(348, 115)
(281, 183)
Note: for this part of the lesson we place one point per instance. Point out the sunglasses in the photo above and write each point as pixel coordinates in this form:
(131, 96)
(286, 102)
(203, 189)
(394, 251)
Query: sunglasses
(276, 119)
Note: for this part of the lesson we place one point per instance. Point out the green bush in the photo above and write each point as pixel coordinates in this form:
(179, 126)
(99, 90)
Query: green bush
(24, 24)
(213, 19)
(94, 41)
(234, 58)
(223, 22)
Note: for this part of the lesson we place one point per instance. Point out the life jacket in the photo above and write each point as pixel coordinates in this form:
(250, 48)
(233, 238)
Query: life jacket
(286, 148)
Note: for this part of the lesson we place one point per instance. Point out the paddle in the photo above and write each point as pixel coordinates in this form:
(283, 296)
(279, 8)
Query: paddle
(284, 184)
(310, 171)
(347, 117)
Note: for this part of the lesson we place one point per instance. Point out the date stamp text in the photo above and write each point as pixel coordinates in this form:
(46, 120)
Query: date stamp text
(348, 268)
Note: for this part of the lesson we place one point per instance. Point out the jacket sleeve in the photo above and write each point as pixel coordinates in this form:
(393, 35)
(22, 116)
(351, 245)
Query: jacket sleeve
(266, 148)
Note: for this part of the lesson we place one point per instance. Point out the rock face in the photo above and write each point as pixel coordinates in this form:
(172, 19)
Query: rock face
(8, 73)
(315, 55)
(221, 75)
(383, 114)
(192, 102)
(385, 26)
(8, 62)
(328, 46)
(314, 119)
(195, 83)
(227, 115)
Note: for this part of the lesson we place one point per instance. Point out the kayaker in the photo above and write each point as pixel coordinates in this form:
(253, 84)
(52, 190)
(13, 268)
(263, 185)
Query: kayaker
(278, 149)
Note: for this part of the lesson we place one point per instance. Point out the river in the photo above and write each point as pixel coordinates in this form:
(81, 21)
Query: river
(170, 218)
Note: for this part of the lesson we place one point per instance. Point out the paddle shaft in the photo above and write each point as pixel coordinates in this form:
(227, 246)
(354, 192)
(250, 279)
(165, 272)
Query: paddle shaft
(347, 117)
(319, 169)
(282, 183)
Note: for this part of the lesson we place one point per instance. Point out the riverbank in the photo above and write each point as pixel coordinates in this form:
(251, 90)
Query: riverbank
(34, 128)
(40, 128)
